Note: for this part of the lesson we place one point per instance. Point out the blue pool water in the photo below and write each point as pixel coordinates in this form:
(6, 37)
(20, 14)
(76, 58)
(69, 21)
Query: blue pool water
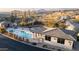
(20, 33)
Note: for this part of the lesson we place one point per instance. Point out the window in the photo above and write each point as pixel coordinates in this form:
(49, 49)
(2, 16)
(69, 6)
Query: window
(48, 38)
(60, 40)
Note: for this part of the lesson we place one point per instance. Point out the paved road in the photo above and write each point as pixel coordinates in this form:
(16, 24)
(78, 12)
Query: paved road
(11, 45)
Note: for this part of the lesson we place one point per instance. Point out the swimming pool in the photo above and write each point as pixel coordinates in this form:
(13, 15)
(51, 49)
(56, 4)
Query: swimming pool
(24, 33)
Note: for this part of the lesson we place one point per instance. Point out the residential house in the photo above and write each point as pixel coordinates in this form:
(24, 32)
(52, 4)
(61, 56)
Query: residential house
(60, 37)
(72, 25)
(55, 37)
(29, 20)
(5, 24)
(38, 32)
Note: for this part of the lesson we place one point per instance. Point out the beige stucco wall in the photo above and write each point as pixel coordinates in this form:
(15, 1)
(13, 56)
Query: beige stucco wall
(37, 35)
(68, 43)
(2, 26)
(54, 39)
(34, 35)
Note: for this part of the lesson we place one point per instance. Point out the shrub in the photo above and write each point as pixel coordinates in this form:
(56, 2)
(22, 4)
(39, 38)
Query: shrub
(2, 30)
(22, 24)
(45, 46)
(34, 43)
(27, 40)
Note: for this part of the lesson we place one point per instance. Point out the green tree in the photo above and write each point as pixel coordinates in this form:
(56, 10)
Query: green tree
(56, 25)
(60, 25)
(12, 18)
(22, 23)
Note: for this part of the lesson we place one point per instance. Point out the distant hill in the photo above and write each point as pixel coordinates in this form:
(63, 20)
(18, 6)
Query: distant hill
(4, 14)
